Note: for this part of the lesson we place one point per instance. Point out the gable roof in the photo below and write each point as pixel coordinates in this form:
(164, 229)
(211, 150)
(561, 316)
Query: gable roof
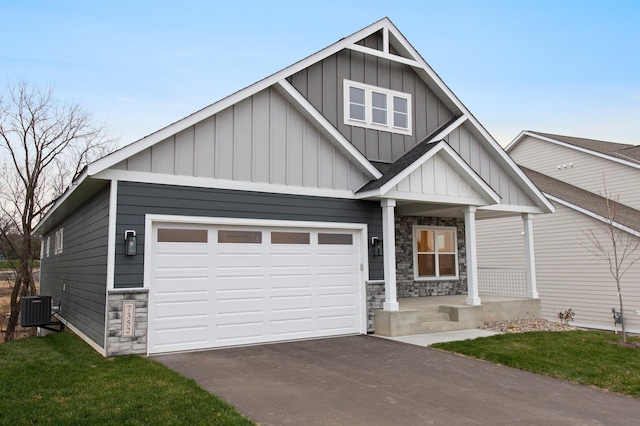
(416, 158)
(612, 150)
(585, 201)
(395, 48)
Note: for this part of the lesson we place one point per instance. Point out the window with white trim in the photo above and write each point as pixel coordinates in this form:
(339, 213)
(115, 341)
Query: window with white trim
(376, 108)
(58, 241)
(435, 253)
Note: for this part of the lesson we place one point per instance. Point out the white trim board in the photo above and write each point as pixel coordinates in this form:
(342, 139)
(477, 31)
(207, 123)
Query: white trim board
(202, 182)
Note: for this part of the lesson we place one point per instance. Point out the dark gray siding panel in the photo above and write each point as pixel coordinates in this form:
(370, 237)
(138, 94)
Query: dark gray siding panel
(322, 85)
(81, 269)
(137, 199)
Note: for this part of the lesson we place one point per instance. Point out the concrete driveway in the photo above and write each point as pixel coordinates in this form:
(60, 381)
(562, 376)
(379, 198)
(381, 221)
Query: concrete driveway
(363, 380)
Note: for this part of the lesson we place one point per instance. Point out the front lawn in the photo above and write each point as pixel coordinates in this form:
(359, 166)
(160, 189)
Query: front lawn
(59, 380)
(585, 357)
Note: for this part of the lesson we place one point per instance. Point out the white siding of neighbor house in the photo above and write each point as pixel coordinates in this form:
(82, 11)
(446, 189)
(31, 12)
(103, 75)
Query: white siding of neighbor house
(260, 139)
(484, 163)
(586, 171)
(568, 275)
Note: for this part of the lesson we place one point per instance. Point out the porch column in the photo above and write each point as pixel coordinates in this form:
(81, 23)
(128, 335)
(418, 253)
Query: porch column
(527, 222)
(389, 253)
(473, 297)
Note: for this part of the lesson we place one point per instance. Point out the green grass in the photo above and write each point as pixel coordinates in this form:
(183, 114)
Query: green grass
(585, 357)
(59, 380)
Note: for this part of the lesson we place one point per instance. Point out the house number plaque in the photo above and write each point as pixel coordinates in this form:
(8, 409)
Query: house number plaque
(128, 318)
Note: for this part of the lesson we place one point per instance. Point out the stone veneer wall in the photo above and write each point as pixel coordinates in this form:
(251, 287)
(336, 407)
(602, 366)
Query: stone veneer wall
(375, 299)
(406, 285)
(116, 344)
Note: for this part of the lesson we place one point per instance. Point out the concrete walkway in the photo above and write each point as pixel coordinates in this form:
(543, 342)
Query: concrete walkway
(445, 336)
(364, 380)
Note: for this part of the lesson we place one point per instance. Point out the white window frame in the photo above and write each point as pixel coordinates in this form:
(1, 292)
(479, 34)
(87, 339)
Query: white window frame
(436, 277)
(368, 108)
(48, 245)
(58, 243)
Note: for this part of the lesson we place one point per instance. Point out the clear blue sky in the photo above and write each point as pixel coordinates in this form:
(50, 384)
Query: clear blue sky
(565, 67)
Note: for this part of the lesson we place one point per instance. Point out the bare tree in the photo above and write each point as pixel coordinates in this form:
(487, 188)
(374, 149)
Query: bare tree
(612, 241)
(44, 144)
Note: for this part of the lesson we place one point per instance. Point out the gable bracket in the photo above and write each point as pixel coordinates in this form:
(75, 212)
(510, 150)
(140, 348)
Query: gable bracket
(384, 55)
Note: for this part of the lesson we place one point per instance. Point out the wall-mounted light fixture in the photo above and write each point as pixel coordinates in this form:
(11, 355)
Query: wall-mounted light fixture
(376, 245)
(130, 242)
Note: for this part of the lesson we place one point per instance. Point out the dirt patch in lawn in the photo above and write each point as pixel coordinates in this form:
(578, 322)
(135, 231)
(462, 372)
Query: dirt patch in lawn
(5, 310)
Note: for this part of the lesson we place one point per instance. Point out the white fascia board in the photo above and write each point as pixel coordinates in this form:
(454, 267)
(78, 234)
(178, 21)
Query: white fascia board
(343, 145)
(434, 198)
(517, 140)
(511, 208)
(593, 215)
(574, 147)
(60, 200)
(233, 99)
(206, 182)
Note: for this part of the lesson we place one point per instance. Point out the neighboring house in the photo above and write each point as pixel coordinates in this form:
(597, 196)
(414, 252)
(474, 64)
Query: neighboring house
(291, 209)
(572, 173)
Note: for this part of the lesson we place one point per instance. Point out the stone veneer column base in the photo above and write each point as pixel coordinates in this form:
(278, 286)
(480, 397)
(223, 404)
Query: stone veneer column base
(116, 343)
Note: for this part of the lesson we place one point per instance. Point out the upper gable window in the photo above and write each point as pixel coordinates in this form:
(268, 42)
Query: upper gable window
(376, 108)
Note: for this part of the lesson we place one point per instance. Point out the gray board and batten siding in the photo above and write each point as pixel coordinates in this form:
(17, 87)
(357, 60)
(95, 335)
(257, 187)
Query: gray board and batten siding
(322, 85)
(262, 139)
(135, 200)
(77, 277)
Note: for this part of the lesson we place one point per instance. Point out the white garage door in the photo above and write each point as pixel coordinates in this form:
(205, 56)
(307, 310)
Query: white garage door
(214, 286)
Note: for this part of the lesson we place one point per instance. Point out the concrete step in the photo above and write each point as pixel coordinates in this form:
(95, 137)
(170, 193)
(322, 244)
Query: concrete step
(430, 316)
(438, 326)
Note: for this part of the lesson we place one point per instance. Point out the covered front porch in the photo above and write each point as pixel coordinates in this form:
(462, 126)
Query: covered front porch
(431, 199)
(421, 315)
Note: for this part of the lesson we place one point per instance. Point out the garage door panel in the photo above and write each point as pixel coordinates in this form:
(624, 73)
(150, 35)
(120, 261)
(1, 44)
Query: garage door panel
(173, 286)
(181, 338)
(239, 292)
(336, 323)
(179, 310)
(182, 261)
(291, 283)
(336, 259)
(239, 261)
(291, 259)
(292, 328)
(291, 303)
(240, 330)
(247, 283)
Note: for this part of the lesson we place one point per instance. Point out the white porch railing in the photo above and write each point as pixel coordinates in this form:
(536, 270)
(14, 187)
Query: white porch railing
(502, 280)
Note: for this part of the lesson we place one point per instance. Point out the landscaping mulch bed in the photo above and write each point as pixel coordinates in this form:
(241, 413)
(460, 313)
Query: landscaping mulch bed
(524, 325)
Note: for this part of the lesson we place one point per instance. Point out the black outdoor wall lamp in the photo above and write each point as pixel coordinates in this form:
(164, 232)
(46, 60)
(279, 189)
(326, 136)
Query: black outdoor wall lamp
(130, 242)
(376, 244)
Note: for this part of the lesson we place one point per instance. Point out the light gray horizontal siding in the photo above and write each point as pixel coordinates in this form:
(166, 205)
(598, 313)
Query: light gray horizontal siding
(81, 268)
(322, 85)
(568, 275)
(583, 170)
(484, 162)
(260, 139)
(137, 199)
